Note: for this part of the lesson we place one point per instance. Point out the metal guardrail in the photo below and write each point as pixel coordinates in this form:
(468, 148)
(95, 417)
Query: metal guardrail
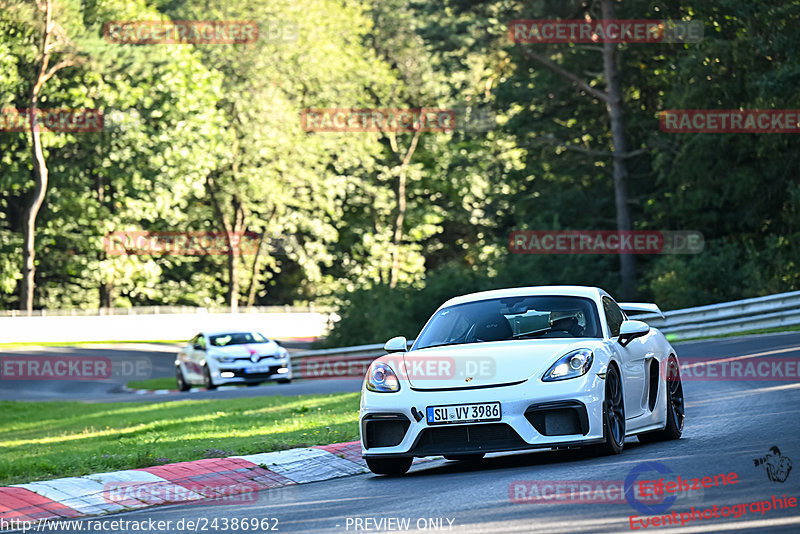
(345, 362)
(772, 311)
(715, 319)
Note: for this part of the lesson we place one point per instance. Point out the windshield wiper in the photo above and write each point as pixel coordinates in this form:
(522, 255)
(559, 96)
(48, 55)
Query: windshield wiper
(534, 333)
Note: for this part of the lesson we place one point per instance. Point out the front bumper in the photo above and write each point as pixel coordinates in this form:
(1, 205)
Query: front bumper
(244, 371)
(534, 414)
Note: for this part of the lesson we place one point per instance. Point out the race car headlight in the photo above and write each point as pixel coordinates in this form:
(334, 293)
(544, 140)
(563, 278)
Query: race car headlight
(381, 378)
(223, 359)
(282, 354)
(571, 365)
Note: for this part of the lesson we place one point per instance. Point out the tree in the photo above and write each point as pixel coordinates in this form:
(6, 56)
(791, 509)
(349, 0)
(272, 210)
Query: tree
(613, 99)
(53, 43)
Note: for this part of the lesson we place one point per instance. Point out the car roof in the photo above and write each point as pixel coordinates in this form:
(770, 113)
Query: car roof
(594, 293)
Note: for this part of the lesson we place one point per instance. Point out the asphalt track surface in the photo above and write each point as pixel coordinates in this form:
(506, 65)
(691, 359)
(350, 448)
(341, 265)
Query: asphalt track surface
(729, 424)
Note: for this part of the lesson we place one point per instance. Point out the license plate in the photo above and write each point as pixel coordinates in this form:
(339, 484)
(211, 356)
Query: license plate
(256, 369)
(463, 413)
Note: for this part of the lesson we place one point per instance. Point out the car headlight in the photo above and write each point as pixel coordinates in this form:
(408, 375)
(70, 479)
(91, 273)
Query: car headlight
(282, 354)
(571, 365)
(223, 359)
(381, 378)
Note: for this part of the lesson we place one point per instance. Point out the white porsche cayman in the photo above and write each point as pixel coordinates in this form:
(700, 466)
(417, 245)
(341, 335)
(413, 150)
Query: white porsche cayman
(516, 369)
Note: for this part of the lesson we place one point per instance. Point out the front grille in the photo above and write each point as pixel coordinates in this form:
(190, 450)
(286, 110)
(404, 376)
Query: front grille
(239, 373)
(467, 438)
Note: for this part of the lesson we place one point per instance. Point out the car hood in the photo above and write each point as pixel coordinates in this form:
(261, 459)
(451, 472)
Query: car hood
(247, 350)
(487, 363)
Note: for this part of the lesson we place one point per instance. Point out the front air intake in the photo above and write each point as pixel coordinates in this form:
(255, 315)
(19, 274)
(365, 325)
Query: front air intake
(558, 418)
(384, 430)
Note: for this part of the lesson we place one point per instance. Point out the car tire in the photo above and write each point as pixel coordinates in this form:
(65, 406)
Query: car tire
(284, 381)
(253, 384)
(676, 414)
(207, 382)
(389, 466)
(467, 458)
(613, 415)
(182, 384)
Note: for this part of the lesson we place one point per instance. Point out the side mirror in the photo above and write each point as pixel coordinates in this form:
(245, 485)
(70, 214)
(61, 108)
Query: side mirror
(630, 330)
(396, 344)
(197, 346)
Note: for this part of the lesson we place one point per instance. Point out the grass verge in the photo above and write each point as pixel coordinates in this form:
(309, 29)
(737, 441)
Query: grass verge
(45, 440)
(168, 382)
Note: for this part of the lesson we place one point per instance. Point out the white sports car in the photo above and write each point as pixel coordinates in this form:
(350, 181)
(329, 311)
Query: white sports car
(516, 369)
(214, 358)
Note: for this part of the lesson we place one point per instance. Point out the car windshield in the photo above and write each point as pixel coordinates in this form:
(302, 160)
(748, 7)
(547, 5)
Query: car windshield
(236, 338)
(512, 318)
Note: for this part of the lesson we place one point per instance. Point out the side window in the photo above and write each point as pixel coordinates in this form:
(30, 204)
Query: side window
(614, 316)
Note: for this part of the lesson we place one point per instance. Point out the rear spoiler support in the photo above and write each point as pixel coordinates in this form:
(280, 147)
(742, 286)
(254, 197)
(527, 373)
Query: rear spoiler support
(643, 307)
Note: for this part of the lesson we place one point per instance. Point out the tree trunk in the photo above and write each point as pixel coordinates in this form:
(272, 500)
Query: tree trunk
(106, 293)
(230, 229)
(40, 174)
(233, 284)
(616, 115)
(251, 291)
(29, 223)
(612, 97)
(401, 206)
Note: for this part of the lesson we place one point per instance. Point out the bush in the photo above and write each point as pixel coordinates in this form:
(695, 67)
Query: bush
(375, 314)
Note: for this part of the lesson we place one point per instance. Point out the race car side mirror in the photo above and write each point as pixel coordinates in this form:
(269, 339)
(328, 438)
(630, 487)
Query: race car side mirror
(396, 344)
(630, 330)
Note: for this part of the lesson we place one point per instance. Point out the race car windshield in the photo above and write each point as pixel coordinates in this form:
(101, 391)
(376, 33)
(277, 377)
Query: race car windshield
(512, 318)
(224, 340)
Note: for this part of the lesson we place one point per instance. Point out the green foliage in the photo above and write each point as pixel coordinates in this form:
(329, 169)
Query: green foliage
(376, 314)
(200, 136)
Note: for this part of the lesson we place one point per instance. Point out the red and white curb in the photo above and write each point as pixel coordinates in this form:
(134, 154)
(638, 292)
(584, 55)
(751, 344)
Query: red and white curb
(200, 480)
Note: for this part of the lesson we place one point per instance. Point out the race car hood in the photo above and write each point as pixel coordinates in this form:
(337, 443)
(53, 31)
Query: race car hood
(247, 350)
(485, 364)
